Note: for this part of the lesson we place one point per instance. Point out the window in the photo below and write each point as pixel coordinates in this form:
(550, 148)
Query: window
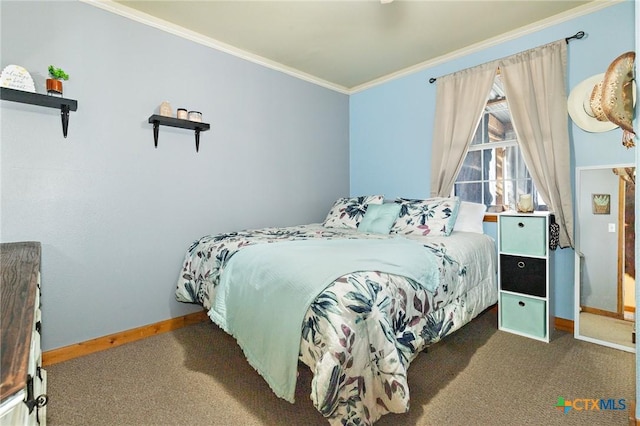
(493, 172)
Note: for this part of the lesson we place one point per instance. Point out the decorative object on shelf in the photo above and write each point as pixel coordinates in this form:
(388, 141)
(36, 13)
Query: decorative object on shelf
(18, 78)
(65, 105)
(525, 204)
(54, 84)
(158, 120)
(601, 203)
(165, 109)
(195, 116)
(182, 114)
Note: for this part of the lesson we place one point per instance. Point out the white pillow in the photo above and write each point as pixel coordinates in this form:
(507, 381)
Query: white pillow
(470, 217)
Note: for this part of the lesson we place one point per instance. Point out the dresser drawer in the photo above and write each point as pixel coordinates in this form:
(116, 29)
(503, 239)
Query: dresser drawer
(523, 314)
(527, 275)
(525, 235)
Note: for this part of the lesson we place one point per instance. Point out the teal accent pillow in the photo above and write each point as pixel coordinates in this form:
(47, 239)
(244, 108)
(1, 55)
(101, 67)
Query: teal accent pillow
(379, 218)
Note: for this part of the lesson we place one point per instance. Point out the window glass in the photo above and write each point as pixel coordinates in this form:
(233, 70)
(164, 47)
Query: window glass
(493, 171)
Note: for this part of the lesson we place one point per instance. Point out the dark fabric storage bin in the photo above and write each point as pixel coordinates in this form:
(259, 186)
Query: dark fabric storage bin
(524, 275)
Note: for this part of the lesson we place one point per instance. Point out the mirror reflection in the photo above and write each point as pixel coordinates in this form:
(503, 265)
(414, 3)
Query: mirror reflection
(605, 255)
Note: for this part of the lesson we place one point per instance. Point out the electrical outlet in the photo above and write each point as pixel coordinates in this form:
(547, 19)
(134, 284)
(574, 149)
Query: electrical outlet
(612, 227)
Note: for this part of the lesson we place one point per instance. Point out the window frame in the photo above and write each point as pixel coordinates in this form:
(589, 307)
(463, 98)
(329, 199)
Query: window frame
(514, 183)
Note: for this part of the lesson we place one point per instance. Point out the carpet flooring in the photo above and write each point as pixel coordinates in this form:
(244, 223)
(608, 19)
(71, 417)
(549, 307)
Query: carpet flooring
(198, 375)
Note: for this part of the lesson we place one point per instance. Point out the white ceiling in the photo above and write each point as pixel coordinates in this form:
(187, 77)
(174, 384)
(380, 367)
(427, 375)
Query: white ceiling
(349, 45)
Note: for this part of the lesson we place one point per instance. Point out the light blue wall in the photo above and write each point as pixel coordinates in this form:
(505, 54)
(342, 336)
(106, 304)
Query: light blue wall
(115, 215)
(391, 124)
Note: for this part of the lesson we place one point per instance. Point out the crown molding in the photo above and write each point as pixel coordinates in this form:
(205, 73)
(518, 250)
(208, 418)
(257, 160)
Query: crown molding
(179, 31)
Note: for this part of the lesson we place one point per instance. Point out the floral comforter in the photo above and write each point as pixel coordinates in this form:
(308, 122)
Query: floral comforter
(361, 333)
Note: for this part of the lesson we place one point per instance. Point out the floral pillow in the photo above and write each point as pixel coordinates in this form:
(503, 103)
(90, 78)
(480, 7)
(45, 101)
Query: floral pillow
(433, 216)
(348, 212)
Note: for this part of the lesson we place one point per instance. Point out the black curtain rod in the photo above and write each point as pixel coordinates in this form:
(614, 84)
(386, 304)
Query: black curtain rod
(576, 36)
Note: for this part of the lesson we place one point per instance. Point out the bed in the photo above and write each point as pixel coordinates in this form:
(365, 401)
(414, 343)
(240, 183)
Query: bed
(421, 269)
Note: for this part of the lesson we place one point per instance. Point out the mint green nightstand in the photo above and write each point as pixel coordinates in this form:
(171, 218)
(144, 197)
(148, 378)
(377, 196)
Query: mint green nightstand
(524, 274)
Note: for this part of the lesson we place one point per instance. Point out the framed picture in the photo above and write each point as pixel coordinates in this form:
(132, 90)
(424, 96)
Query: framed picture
(601, 203)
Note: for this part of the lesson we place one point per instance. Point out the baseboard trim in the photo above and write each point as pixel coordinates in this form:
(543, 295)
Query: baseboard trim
(601, 312)
(564, 325)
(113, 340)
(633, 421)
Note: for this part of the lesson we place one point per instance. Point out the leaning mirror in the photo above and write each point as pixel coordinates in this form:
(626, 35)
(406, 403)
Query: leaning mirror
(605, 256)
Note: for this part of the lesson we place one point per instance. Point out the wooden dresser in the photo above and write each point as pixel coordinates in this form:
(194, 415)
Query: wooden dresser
(23, 397)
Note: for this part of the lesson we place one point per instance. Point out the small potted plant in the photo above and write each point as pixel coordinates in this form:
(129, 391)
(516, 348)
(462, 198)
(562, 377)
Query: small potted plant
(54, 84)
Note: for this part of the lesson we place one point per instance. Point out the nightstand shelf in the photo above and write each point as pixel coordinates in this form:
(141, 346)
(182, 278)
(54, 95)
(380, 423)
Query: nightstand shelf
(524, 274)
(158, 120)
(63, 104)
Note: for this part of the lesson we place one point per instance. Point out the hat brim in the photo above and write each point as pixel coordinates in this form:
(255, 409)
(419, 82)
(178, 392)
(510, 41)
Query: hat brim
(575, 106)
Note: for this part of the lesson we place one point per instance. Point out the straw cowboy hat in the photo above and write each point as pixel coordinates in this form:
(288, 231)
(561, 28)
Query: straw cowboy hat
(605, 101)
(585, 107)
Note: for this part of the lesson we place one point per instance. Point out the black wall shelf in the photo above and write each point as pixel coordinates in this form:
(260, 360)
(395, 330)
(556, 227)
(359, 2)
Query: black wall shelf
(161, 120)
(65, 105)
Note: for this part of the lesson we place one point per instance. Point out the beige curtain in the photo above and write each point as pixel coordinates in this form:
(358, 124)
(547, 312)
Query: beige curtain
(460, 99)
(534, 84)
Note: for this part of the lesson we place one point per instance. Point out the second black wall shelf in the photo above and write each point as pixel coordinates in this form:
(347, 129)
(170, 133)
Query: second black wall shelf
(161, 120)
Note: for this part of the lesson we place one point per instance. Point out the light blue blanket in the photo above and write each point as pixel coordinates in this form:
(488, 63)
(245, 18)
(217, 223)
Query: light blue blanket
(266, 289)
